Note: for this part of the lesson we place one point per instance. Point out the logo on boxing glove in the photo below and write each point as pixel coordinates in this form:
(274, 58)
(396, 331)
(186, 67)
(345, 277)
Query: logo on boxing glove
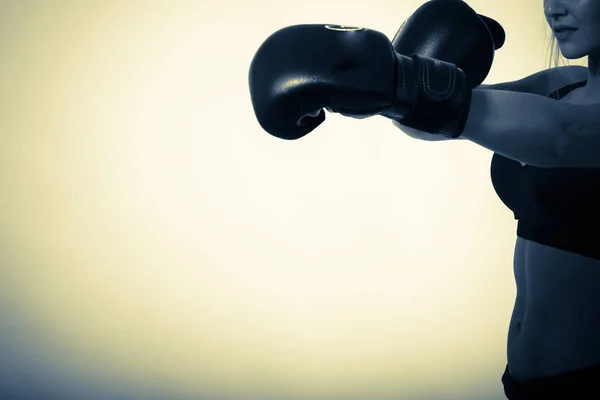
(343, 28)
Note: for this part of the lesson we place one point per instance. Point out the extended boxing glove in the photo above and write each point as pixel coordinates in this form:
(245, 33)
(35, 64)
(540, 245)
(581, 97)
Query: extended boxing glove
(300, 70)
(451, 31)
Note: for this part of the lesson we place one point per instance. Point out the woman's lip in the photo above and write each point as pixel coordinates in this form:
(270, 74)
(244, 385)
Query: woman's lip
(564, 34)
(563, 28)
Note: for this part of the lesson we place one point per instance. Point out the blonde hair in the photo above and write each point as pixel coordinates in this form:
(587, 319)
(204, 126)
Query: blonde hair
(555, 59)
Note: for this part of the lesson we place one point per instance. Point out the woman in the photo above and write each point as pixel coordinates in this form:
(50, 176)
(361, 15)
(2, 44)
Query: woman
(544, 131)
(553, 347)
(554, 333)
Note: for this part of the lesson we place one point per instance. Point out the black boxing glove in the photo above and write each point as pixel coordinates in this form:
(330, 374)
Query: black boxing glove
(300, 70)
(451, 31)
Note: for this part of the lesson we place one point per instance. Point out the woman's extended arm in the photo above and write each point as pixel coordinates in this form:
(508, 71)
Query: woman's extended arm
(540, 83)
(524, 127)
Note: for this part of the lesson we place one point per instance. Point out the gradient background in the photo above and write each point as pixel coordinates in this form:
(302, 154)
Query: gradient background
(155, 243)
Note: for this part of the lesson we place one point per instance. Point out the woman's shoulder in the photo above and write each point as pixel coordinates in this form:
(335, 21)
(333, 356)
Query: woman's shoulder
(543, 82)
(564, 76)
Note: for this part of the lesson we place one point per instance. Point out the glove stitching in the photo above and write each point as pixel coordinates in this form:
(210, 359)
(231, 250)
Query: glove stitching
(438, 95)
(443, 95)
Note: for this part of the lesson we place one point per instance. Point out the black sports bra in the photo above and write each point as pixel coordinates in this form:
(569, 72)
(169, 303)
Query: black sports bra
(558, 207)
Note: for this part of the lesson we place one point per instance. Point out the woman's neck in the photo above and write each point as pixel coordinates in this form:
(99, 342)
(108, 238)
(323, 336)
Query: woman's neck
(592, 89)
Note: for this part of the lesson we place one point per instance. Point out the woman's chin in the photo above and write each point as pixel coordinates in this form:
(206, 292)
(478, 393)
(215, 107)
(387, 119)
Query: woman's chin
(569, 52)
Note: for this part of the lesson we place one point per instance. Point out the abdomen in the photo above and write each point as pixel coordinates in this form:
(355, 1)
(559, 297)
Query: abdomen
(555, 325)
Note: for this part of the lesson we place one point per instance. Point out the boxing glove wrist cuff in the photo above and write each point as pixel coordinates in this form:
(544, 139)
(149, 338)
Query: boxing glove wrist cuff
(431, 96)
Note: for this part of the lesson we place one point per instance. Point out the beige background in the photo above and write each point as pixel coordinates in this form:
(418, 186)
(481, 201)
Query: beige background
(156, 243)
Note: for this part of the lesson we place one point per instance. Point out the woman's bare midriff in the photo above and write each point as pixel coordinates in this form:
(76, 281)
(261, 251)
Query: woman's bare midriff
(555, 325)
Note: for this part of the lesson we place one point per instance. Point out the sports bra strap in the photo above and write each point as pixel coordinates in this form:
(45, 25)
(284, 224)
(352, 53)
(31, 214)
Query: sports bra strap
(562, 92)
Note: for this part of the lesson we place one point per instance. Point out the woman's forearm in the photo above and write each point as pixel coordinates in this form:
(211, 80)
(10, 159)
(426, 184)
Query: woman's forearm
(524, 127)
(421, 135)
